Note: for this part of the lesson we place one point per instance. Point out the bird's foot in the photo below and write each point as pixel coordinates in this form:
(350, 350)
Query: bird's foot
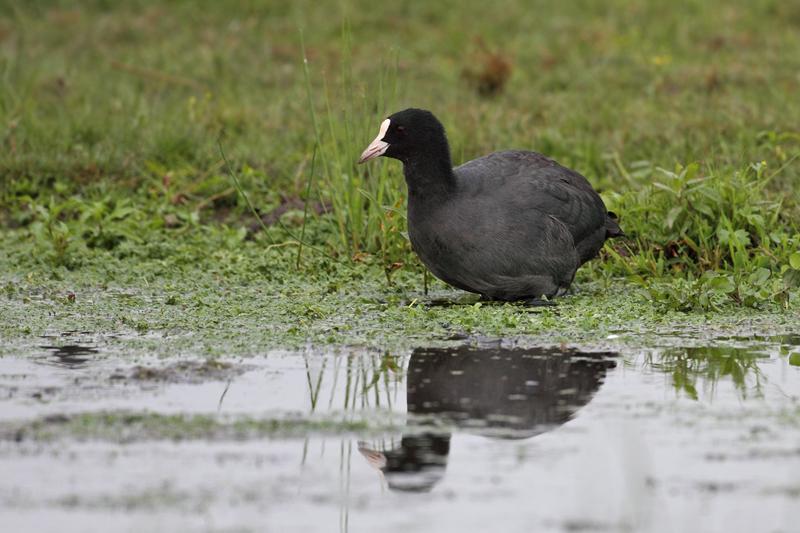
(538, 302)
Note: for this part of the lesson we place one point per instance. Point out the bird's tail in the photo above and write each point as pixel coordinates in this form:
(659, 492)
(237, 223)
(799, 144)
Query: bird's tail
(612, 226)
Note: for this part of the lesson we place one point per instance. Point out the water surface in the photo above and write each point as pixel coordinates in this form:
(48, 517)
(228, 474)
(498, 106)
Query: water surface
(474, 435)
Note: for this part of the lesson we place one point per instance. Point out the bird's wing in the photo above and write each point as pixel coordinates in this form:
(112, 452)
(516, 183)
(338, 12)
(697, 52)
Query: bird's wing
(533, 181)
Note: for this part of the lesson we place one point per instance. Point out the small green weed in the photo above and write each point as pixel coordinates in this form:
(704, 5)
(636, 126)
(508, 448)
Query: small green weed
(699, 242)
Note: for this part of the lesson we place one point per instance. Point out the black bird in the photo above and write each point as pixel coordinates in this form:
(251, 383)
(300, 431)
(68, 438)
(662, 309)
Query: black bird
(512, 225)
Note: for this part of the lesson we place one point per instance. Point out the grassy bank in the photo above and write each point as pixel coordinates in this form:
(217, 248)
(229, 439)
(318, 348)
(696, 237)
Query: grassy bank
(120, 213)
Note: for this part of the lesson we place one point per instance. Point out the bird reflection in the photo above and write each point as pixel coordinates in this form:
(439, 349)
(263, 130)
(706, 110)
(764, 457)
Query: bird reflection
(510, 393)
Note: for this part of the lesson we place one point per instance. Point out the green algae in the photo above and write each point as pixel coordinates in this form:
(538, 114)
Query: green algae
(126, 427)
(243, 299)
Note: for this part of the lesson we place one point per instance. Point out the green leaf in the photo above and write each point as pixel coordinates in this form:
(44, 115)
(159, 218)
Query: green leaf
(664, 188)
(794, 260)
(722, 284)
(691, 171)
(791, 278)
(742, 238)
(794, 359)
(759, 276)
(704, 208)
(672, 215)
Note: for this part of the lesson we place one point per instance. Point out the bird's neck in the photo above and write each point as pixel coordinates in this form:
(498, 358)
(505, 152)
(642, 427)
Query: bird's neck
(429, 175)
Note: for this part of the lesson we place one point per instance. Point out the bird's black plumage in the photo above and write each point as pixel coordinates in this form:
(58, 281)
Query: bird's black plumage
(512, 225)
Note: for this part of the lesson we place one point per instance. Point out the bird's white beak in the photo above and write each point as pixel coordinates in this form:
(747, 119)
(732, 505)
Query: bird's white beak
(378, 146)
(376, 459)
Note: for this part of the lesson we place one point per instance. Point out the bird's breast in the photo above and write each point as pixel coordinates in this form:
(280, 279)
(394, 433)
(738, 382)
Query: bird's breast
(428, 236)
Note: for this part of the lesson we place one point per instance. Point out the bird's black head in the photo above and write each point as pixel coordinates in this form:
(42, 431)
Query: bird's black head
(407, 134)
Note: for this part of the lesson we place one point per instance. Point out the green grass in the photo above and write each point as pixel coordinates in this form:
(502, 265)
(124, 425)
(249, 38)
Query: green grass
(684, 116)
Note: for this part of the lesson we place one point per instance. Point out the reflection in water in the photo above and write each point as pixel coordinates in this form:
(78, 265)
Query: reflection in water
(498, 392)
(709, 364)
(70, 355)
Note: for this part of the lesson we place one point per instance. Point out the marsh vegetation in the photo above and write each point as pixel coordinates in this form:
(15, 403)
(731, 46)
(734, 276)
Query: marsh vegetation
(196, 275)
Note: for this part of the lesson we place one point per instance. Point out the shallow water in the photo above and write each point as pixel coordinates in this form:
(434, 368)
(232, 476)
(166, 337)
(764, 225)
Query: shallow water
(474, 436)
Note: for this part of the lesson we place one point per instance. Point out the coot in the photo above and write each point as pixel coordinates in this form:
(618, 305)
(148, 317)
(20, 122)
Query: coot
(512, 225)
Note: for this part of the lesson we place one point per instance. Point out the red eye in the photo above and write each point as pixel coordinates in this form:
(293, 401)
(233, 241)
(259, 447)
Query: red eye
(401, 129)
